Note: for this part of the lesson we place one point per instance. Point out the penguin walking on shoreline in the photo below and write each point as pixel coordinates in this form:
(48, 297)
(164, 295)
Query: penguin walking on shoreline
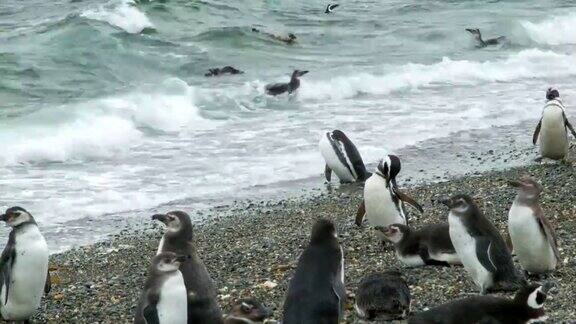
(429, 245)
(24, 275)
(164, 299)
(526, 307)
(480, 246)
(178, 238)
(533, 238)
(275, 89)
(342, 157)
(383, 297)
(316, 293)
(383, 202)
(552, 129)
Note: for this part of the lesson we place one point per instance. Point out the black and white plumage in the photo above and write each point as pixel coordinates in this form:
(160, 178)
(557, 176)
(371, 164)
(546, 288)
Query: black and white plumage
(484, 43)
(526, 307)
(178, 238)
(342, 157)
(532, 235)
(275, 89)
(316, 293)
(428, 245)
(383, 202)
(221, 71)
(383, 296)
(247, 311)
(552, 128)
(24, 275)
(331, 7)
(480, 246)
(164, 299)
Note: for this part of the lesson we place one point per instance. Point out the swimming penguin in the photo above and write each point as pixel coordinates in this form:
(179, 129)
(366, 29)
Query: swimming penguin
(247, 311)
(383, 296)
(533, 238)
(24, 276)
(290, 39)
(383, 202)
(429, 245)
(480, 246)
(164, 299)
(178, 238)
(225, 70)
(483, 43)
(551, 129)
(316, 293)
(331, 7)
(342, 157)
(275, 89)
(526, 307)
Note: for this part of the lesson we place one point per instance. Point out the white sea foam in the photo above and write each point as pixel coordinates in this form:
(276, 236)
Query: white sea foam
(124, 15)
(557, 30)
(532, 63)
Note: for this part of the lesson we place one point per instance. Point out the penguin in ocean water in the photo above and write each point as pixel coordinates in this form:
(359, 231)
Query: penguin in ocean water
(383, 202)
(429, 245)
(480, 246)
(178, 238)
(552, 128)
(316, 293)
(484, 43)
(275, 89)
(526, 307)
(247, 311)
(533, 237)
(221, 71)
(342, 157)
(164, 299)
(331, 7)
(24, 275)
(383, 296)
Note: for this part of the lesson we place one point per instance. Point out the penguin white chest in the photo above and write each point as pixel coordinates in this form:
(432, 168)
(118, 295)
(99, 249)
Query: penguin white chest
(28, 275)
(531, 246)
(343, 169)
(465, 246)
(173, 304)
(380, 207)
(553, 136)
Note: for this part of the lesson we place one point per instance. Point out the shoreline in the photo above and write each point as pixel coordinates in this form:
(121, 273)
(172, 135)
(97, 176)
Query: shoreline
(253, 249)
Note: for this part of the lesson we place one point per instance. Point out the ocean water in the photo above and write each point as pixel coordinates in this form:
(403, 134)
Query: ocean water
(106, 117)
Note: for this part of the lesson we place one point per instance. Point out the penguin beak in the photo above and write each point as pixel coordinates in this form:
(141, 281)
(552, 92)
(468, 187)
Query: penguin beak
(160, 217)
(381, 229)
(515, 184)
(303, 72)
(445, 201)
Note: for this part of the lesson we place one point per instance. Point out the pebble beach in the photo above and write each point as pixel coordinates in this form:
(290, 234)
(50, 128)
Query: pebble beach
(251, 249)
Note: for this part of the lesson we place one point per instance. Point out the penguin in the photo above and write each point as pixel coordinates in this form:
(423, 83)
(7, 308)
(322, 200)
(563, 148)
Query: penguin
(247, 311)
(316, 293)
(24, 275)
(383, 202)
(290, 39)
(164, 299)
(480, 246)
(178, 238)
(342, 157)
(331, 7)
(484, 43)
(383, 296)
(220, 71)
(275, 89)
(533, 238)
(552, 129)
(526, 307)
(429, 245)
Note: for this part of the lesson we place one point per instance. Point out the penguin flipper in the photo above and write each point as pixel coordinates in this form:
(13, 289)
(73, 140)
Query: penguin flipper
(340, 293)
(409, 200)
(6, 261)
(536, 132)
(360, 213)
(548, 231)
(568, 125)
(484, 252)
(150, 312)
(328, 173)
(48, 283)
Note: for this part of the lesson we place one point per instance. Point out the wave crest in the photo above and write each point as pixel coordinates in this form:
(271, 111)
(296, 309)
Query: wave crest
(553, 31)
(123, 15)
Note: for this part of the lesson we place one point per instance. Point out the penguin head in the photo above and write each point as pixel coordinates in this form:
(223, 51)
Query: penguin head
(297, 73)
(168, 261)
(173, 220)
(389, 168)
(323, 230)
(528, 187)
(534, 295)
(460, 204)
(475, 32)
(249, 309)
(16, 216)
(338, 135)
(394, 233)
(552, 93)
